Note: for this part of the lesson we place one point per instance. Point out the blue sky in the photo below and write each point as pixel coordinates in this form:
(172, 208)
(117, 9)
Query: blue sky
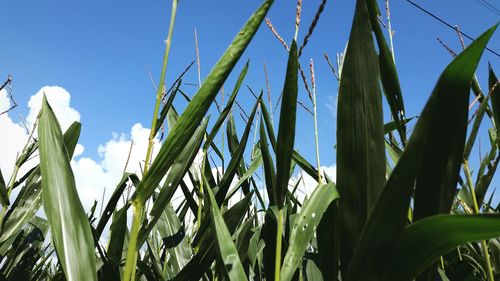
(98, 50)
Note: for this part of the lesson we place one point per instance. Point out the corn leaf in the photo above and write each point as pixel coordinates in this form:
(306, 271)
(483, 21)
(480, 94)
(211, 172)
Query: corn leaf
(199, 105)
(4, 198)
(204, 241)
(383, 231)
(360, 133)
(29, 199)
(286, 130)
(175, 175)
(305, 225)
(388, 74)
(69, 226)
(236, 160)
(227, 109)
(437, 179)
(426, 240)
(225, 246)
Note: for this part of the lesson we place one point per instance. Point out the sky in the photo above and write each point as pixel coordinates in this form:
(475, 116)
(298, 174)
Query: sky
(90, 58)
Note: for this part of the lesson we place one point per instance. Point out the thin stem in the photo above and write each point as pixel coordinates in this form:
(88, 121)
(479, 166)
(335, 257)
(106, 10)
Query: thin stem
(159, 92)
(279, 238)
(389, 28)
(315, 117)
(130, 264)
(132, 251)
(484, 245)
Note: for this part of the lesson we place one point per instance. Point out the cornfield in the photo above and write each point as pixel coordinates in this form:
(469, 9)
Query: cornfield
(404, 206)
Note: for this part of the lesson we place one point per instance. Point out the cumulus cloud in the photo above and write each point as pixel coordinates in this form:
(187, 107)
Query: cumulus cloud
(13, 136)
(94, 176)
(59, 100)
(91, 175)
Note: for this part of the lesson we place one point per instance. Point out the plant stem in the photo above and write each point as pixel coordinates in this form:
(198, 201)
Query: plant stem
(130, 264)
(484, 245)
(159, 92)
(315, 117)
(279, 238)
(389, 28)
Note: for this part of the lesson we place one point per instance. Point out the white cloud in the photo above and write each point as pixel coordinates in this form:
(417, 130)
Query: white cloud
(307, 184)
(14, 136)
(91, 175)
(58, 99)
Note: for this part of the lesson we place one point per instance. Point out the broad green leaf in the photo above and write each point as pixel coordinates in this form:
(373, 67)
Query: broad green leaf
(329, 241)
(426, 240)
(174, 176)
(286, 131)
(71, 233)
(29, 199)
(225, 246)
(110, 270)
(360, 133)
(170, 226)
(388, 74)
(437, 179)
(438, 120)
(305, 225)
(227, 109)
(199, 105)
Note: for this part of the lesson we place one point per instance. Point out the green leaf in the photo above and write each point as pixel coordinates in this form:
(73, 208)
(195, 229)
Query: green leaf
(391, 126)
(426, 240)
(170, 226)
(360, 133)
(286, 131)
(437, 178)
(257, 162)
(237, 157)
(269, 170)
(29, 199)
(4, 198)
(225, 246)
(204, 240)
(69, 226)
(175, 175)
(199, 105)
(438, 120)
(388, 74)
(227, 109)
(304, 227)
(299, 159)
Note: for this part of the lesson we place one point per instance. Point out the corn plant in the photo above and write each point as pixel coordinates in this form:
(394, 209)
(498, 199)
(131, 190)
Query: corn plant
(407, 209)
